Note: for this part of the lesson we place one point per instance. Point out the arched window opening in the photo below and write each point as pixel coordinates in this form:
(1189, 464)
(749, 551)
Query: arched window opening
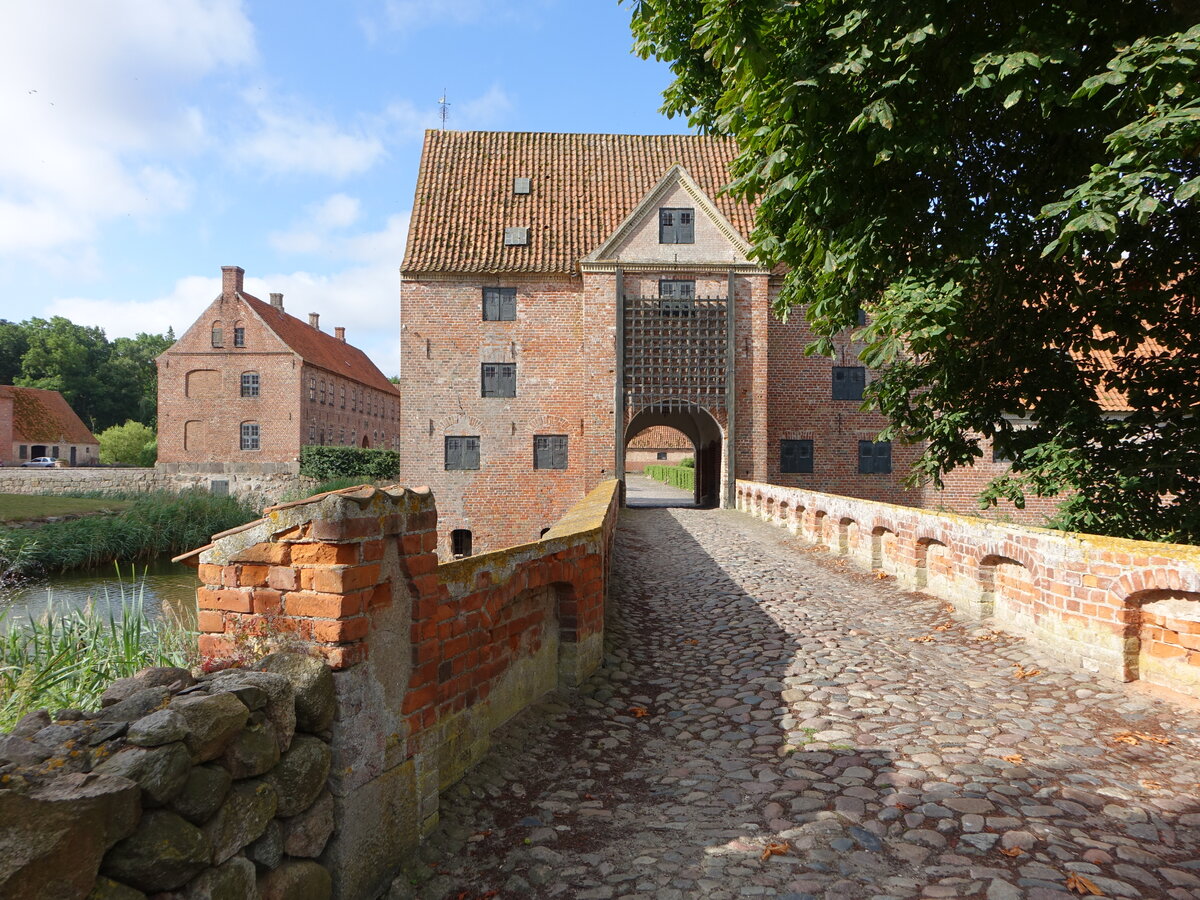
(460, 543)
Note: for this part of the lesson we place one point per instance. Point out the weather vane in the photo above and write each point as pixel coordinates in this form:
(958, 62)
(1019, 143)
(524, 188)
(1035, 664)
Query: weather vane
(444, 108)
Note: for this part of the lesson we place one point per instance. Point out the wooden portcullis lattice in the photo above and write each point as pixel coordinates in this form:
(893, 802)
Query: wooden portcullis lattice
(675, 352)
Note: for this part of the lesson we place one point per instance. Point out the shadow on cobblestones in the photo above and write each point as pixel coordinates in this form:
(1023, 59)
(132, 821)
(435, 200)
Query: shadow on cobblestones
(756, 693)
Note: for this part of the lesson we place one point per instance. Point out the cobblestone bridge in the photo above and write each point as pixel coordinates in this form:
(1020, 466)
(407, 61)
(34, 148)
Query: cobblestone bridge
(771, 723)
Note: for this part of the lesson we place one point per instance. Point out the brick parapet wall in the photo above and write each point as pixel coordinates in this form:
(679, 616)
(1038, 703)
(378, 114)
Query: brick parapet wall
(1096, 602)
(429, 658)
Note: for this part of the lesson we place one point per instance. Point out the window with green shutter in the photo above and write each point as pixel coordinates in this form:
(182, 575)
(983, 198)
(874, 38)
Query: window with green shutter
(676, 226)
(875, 457)
(848, 382)
(795, 457)
(498, 380)
(499, 304)
(550, 451)
(462, 452)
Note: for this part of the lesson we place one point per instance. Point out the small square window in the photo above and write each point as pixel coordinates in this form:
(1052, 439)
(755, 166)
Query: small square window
(462, 452)
(460, 543)
(848, 382)
(550, 451)
(875, 457)
(795, 457)
(676, 226)
(661, 455)
(239, 337)
(249, 384)
(249, 435)
(499, 380)
(499, 304)
(219, 487)
(24, 454)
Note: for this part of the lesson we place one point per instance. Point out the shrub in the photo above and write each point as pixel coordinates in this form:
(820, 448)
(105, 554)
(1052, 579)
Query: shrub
(131, 444)
(688, 462)
(325, 463)
(676, 476)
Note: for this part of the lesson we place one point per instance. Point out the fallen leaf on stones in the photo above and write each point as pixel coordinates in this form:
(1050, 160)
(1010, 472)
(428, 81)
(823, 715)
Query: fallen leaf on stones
(942, 627)
(1012, 851)
(589, 796)
(882, 575)
(1125, 737)
(903, 806)
(948, 609)
(1081, 885)
(691, 641)
(1015, 758)
(639, 712)
(1021, 673)
(780, 849)
(1152, 785)
(923, 639)
(1155, 738)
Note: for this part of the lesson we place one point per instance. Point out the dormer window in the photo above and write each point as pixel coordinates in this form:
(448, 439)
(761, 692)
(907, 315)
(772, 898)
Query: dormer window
(676, 226)
(516, 237)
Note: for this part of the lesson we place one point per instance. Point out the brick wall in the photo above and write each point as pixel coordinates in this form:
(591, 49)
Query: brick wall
(200, 407)
(429, 658)
(564, 386)
(1120, 608)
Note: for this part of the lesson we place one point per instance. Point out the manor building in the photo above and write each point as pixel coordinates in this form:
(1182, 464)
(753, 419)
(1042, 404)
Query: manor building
(562, 293)
(247, 385)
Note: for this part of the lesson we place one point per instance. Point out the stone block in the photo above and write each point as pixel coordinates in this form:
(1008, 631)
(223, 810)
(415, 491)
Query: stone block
(242, 818)
(213, 721)
(160, 772)
(313, 685)
(300, 776)
(377, 827)
(164, 853)
(297, 880)
(202, 794)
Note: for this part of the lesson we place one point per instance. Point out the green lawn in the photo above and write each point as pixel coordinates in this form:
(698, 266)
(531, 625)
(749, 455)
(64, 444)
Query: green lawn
(23, 507)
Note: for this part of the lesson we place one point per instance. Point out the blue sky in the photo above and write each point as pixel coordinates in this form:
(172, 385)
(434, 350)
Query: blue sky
(150, 142)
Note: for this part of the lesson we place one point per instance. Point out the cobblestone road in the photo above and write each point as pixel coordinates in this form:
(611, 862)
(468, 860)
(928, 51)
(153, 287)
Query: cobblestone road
(758, 695)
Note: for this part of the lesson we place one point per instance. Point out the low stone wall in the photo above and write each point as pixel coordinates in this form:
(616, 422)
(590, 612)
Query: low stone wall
(1125, 609)
(177, 788)
(428, 658)
(259, 488)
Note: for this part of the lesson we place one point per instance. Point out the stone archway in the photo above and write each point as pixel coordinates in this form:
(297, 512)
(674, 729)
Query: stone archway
(700, 427)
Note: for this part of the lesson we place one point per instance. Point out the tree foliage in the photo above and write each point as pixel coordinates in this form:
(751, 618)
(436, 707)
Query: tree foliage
(325, 463)
(1009, 190)
(105, 382)
(131, 444)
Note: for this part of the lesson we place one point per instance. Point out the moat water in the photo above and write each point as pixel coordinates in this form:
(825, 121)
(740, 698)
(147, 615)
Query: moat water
(162, 587)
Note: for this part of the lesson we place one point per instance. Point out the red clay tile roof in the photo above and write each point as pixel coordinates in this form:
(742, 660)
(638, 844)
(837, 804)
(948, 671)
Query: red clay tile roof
(1112, 400)
(660, 437)
(582, 187)
(45, 417)
(320, 349)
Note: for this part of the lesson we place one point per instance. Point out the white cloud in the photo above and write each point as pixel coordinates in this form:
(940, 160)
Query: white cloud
(311, 233)
(306, 143)
(363, 297)
(97, 94)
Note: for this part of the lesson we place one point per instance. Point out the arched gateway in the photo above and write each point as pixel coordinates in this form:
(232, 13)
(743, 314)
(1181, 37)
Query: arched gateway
(673, 356)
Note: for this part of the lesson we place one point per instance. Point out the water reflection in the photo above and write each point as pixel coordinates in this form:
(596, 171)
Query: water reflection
(160, 585)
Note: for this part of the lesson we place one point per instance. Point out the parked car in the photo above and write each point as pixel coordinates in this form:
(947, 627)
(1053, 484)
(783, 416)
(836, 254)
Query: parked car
(42, 462)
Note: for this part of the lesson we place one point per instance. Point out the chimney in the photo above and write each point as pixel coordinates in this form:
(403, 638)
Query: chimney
(340, 333)
(231, 280)
(314, 320)
(277, 301)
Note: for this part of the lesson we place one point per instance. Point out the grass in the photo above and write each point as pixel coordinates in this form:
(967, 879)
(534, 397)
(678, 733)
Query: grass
(24, 507)
(151, 525)
(66, 660)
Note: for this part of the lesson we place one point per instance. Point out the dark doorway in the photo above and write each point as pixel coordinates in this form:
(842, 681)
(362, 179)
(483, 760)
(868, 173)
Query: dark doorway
(37, 450)
(72, 456)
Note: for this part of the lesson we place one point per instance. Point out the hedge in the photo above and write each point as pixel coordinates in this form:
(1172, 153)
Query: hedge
(676, 476)
(325, 463)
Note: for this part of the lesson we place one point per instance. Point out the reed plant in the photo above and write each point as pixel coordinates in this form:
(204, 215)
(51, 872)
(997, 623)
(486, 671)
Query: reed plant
(66, 659)
(153, 525)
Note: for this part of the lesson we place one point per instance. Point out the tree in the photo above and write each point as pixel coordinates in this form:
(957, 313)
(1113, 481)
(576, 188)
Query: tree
(1010, 192)
(131, 444)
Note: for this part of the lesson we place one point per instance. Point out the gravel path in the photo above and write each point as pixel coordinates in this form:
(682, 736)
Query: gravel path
(760, 696)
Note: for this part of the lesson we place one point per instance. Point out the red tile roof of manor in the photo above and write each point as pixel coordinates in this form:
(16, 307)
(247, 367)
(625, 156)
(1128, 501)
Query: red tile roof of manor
(41, 416)
(320, 349)
(582, 186)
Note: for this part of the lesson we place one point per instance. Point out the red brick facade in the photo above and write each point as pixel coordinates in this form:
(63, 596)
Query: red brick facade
(246, 372)
(588, 232)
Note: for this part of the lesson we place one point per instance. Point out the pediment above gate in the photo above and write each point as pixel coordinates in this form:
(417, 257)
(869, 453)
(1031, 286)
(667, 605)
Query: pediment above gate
(638, 239)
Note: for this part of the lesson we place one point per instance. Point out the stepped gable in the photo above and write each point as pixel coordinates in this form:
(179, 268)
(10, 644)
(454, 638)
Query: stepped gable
(41, 417)
(581, 188)
(320, 349)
